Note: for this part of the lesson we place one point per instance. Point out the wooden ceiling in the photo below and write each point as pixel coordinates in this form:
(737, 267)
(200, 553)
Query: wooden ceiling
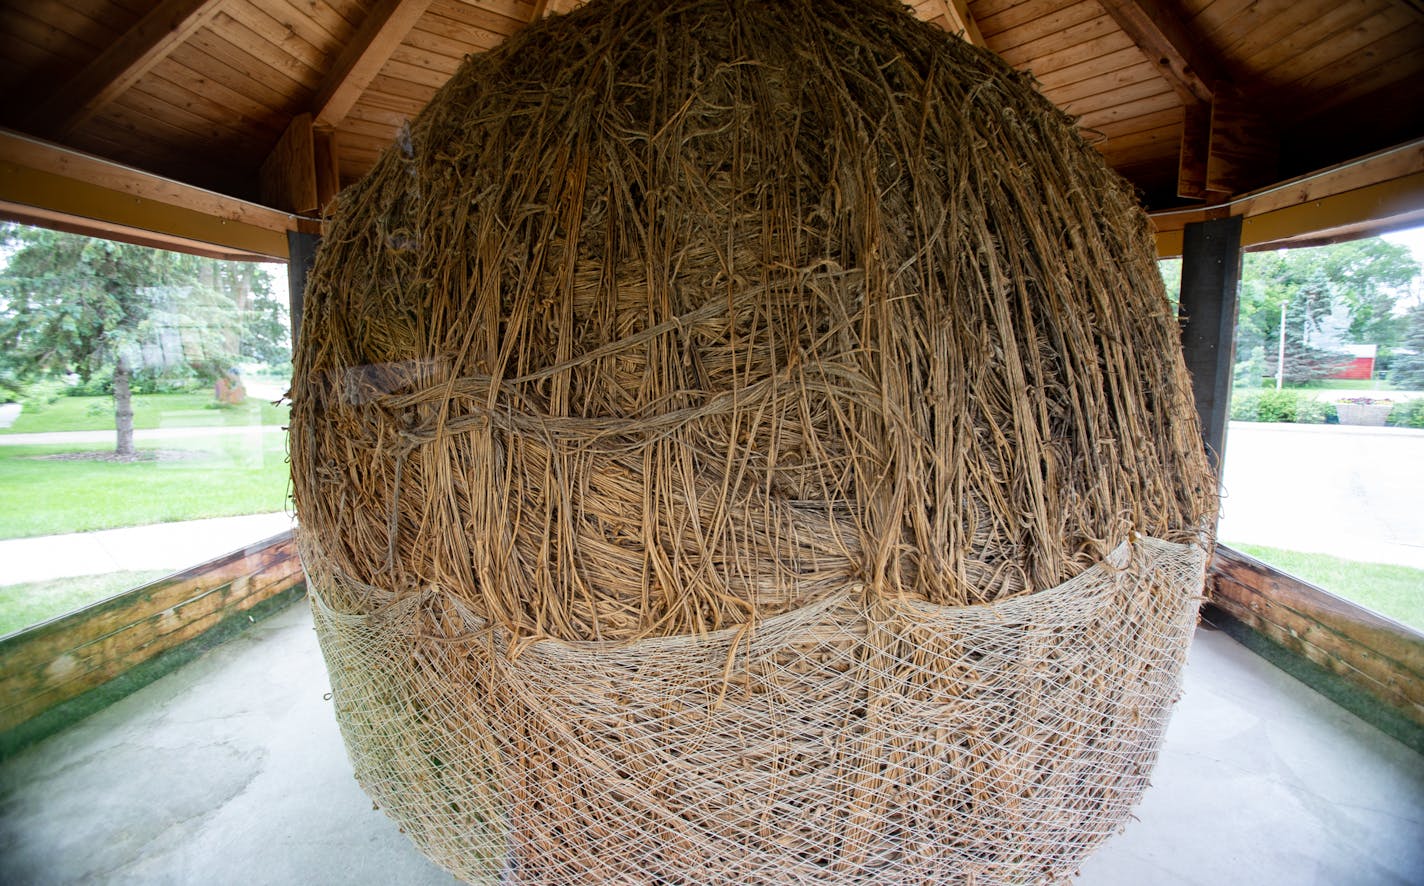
(1191, 100)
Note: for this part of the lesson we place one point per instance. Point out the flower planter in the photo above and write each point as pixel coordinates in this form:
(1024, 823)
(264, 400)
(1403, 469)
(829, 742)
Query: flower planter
(1373, 414)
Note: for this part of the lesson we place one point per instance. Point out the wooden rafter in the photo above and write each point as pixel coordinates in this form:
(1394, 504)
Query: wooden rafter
(120, 66)
(1158, 30)
(383, 30)
(962, 22)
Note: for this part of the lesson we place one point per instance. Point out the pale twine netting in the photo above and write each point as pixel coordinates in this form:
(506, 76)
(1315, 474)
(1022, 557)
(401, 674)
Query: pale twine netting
(907, 743)
(716, 429)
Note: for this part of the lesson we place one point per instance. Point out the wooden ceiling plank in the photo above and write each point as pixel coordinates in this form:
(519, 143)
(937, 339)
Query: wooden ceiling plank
(1291, 45)
(1181, 56)
(1292, 17)
(65, 24)
(417, 57)
(997, 18)
(212, 59)
(212, 96)
(1092, 51)
(364, 57)
(1048, 25)
(1076, 35)
(433, 80)
(250, 51)
(1140, 123)
(1127, 84)
(334, 28)
(478, 16)
(386, 84)
(1394, 60)
(436, 25)
(1216, 23)
(121, 65)
(275, 39)
(1161, 101)
(434, 34)
(1333, 59)
(1121, 59)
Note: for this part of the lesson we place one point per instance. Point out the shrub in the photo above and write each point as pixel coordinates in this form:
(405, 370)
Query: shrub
(1280, 406)
(1409, 414)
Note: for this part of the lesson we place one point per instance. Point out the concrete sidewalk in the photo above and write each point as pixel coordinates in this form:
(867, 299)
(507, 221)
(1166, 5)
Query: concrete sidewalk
(172, 546)
(110, 437)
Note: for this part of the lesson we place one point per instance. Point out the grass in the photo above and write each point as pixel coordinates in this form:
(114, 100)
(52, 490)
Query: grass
(1395, 591)
(192, 478)
(195, 410)
(22, 605)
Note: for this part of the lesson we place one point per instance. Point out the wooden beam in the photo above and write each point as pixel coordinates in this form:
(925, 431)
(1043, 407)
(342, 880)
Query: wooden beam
(383, 29)
(1192, 157)
(961, 22)
(1157, 28)
(42, 182)
(288, 178)
(56, 662)
(1379, 192)
(1211, 272)
(1242, 148)
(1376, 654)
(120, 66)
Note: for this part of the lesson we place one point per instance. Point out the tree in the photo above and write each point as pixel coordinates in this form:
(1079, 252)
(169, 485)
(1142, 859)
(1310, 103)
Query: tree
(72, 304)
(1362, 278)
(1408, 370)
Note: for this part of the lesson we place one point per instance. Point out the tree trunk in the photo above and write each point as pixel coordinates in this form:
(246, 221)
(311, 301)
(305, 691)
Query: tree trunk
(123, 409)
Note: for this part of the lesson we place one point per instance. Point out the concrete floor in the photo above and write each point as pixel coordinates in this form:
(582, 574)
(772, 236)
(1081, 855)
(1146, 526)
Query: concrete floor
(231, 770)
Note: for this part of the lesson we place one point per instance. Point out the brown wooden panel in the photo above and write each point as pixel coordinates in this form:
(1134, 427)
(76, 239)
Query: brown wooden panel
(1036, 51)
(1217, 22)
(1125, 92)
(210, 100)
(1101, 88)
(1100, 50)
(414, 74)
(334, 28)
(1378, 654)
(997, 17)
(62, 659)
(1141, 108)
(1395, 58)
(166, 100)
(479, 16)
(208, 58)
(67, 29)
(44, 643)
(1291, 44)
(1269, 23)
(397, 88)
(277, 37)
(1117, 60)
(446, 37)
(1333, 53)
(431, 62)
(234, 46)
(371, 113)
(1054, 24)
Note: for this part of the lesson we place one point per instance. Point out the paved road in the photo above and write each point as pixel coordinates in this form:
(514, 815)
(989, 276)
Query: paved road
(1354, 492)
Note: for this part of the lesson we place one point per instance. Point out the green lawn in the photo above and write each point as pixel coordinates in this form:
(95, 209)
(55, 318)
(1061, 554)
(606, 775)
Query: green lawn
(150, 411)
(1395, 591)
(27, 604)
(192, 478)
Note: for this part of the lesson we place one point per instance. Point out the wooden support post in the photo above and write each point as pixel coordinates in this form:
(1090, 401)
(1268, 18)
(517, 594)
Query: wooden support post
(301, 250)
(1211, 273)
